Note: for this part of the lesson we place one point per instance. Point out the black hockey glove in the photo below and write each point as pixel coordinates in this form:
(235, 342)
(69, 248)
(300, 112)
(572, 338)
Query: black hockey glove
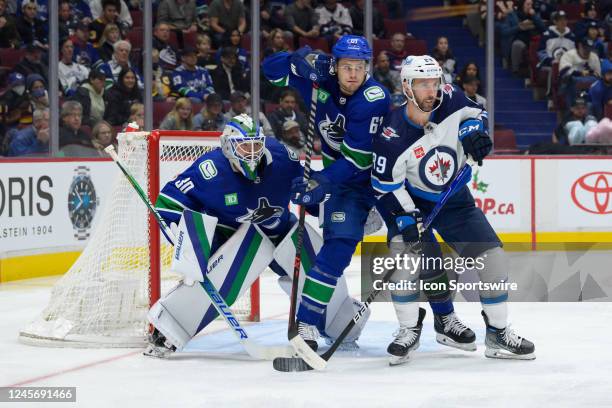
(475, 139)
(409, 225)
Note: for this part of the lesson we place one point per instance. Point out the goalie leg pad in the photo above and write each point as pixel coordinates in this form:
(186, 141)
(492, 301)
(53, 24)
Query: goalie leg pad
(232, 269)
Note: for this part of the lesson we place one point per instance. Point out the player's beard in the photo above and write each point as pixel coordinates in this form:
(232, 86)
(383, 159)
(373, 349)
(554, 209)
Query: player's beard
(427, 104)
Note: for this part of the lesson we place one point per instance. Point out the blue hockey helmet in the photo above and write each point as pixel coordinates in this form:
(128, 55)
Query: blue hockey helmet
(352, 46)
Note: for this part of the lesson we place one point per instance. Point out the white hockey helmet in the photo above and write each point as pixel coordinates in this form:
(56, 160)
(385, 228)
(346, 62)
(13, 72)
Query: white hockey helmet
(421, 67)
(243, 144)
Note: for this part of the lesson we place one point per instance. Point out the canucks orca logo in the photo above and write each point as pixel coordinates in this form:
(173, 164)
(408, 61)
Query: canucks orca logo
(265, 214)
(333, 132)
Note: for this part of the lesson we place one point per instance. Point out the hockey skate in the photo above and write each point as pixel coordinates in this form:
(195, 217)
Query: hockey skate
(450, 331)
(406, 341)
(505, 344)
(310, 334)
(158, 346)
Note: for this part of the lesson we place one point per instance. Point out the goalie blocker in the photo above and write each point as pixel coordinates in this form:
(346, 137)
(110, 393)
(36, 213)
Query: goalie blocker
(233, 264)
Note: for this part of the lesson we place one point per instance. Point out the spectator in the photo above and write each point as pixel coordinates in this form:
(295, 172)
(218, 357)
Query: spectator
(443, 54)
(556, 40)
(119, 62)
(211, 116)
(206, 58)
(579, 65)
(470, 69)
(137, 115)
(123, 17)
(292, 137)
(600, 134)
(71, 132)
(161, 42)
(108, 39)
(9, 37)
(385, 75)
(178, 14)
(37, 90)
(576, 124)
(592, 35)
(520, 27)
(239, 105)
(121, 96)
(84, 52)
(476, 22)
(233, 38)
(70, 74)
(470, 86)
(271, 18)
(80, 8)
(276, 42)
(228, 76)
(15, 101)
(545, 8)
(102, 136)
(190, 80)
(91, 97)
(31, 29)
(109, 15)
(287, 110)
(180, 117)
(226, 15)
(32, 140)
(397, 52)
(32, 62)
(589, 16)
(334, 20)
(67, 20)
(357, 18)
(600, 92)
(302, 20)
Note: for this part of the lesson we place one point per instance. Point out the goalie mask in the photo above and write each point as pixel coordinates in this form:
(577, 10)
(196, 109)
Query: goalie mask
(422, 67)
(243, 145)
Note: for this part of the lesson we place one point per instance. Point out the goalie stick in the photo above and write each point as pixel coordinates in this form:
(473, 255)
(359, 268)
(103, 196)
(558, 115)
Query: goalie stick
(320, 361)
(255, 350)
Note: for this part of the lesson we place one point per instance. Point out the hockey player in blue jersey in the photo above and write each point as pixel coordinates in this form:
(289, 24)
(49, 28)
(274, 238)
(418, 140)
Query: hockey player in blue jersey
(233, 200)
(420, 148)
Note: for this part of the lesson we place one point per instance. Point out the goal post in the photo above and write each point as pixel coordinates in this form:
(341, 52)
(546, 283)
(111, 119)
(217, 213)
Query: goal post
(103, 299)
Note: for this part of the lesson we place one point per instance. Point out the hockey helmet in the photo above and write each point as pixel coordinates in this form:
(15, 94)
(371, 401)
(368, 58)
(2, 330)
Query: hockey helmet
(421, 67)
(243, 144)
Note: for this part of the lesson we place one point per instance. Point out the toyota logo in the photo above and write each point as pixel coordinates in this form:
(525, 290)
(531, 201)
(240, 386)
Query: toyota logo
(592, 192)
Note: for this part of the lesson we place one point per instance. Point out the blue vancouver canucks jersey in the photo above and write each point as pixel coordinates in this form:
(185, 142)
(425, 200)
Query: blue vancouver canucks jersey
(416, 161)
(345, 124)
(211, 186)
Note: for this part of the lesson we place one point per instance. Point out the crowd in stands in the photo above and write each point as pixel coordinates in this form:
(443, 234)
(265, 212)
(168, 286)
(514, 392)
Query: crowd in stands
(201, 63)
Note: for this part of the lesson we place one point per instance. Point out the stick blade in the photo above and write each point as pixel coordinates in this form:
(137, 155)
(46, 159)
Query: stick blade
(291, 364)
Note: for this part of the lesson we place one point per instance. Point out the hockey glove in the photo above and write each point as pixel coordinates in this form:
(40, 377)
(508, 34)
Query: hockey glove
(310, 65)
(409, 225)
(316, 191)
(475, 139)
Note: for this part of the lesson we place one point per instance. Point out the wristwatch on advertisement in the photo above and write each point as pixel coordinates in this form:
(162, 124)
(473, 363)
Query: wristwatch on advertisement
(82, 202)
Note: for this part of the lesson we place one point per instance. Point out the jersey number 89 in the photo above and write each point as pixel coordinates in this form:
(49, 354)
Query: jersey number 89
(380, 162)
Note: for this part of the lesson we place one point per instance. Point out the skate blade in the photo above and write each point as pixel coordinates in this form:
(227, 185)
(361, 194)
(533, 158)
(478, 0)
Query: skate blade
(399, 360)
(447, 341)
(506, 355)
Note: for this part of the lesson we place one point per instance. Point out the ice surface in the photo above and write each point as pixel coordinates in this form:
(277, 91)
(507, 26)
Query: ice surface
(573, 366)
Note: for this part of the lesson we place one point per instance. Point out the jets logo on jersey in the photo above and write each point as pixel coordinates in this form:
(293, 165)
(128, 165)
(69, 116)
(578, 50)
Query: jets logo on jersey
(389, 133)
(265, 214)
(333, 132)
(438, 167)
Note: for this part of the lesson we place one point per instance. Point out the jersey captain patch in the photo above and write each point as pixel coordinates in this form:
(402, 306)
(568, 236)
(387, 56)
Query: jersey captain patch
(333, 132)
(265, 214)
(438, 167)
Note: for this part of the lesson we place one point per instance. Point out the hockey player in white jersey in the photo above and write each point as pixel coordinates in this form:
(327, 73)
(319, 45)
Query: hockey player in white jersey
(417, 153)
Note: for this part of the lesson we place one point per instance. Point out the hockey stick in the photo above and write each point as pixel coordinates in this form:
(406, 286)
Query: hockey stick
(301, 364)
(255, 350)
(298, 343)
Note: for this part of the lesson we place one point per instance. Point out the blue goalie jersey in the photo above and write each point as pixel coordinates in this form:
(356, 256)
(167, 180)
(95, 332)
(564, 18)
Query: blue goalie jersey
(345, 124)
(415, 161)
(211, 186)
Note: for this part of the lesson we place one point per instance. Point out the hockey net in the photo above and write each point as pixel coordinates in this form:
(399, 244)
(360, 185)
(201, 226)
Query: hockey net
(103, 299)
